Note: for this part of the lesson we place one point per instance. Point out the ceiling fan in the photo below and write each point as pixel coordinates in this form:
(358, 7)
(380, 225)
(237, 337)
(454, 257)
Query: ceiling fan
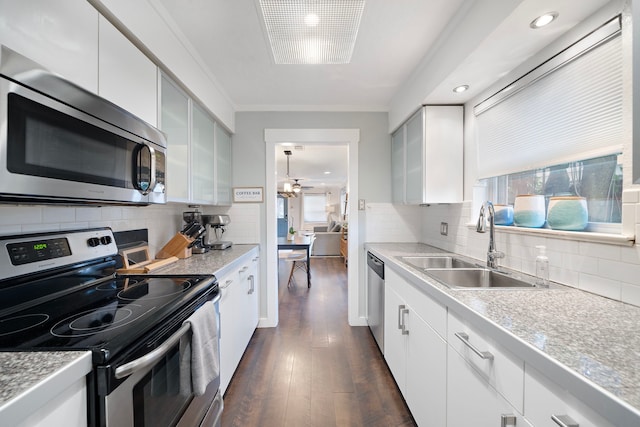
(290, 190)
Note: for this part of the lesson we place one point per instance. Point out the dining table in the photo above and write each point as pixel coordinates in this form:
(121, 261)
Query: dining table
(299, 242)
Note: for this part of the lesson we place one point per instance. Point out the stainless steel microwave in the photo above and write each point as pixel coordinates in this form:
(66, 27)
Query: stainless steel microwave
(60, 143)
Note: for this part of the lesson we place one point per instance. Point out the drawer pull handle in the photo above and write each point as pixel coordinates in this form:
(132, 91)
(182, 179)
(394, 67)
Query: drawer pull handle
(226, 284)
(465, 339)
(507, 420)
(243, 269)
(564, 421)
(253, 286)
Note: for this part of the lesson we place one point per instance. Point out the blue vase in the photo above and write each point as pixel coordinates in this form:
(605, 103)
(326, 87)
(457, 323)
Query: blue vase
(503, 214)
(568, 213)
(529, 211)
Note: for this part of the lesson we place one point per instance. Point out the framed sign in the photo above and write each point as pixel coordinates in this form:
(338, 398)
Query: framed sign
(247, 195)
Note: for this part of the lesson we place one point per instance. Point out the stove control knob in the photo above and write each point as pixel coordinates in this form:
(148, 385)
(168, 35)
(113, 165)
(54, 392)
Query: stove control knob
(105, 240)
(93, 242)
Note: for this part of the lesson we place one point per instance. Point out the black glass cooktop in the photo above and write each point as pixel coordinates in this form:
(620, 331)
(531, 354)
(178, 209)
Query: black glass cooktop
(103, 315)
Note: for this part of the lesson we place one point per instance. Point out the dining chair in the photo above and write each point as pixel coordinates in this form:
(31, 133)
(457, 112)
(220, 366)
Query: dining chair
(299, 261)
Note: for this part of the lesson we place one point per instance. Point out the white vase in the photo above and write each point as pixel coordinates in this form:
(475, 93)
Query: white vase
(529, 211)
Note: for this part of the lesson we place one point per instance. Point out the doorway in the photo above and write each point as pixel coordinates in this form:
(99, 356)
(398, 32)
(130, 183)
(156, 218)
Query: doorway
(350, 138)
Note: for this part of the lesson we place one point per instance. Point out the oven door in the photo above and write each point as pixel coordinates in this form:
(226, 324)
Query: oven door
(53, 152)
(152, 395)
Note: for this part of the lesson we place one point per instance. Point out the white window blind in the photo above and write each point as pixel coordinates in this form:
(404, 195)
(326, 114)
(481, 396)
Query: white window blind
(568, 109)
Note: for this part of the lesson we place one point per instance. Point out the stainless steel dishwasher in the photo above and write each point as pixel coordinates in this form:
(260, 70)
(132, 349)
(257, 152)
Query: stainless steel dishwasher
(375, 298)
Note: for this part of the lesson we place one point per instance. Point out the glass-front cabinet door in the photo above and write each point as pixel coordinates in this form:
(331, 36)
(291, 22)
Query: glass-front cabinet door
(223, 167)
(199, 150)
(203, 156)
(174, 122)
(397, 165)
(414, 159)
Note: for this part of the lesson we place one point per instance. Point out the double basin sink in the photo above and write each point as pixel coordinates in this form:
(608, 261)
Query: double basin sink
(458, 273)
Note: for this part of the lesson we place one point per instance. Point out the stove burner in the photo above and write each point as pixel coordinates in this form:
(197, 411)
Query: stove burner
(16, 324)
(152, 290)
(113, 285)
(93, 321)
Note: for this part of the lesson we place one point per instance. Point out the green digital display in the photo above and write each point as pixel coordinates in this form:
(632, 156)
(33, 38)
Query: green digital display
(40, 246)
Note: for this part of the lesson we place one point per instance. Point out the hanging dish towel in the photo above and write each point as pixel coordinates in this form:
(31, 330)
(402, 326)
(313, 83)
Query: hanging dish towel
(204, 364)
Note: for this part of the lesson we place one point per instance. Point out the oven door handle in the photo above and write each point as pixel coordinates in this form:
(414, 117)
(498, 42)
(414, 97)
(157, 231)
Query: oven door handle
(151, 358)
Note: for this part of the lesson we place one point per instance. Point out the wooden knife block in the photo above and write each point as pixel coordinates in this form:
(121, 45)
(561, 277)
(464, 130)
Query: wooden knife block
(177, 247)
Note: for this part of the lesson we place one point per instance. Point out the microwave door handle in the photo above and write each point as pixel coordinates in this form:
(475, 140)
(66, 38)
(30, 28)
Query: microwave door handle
(152, 357)
(152, 172)
(152, 169)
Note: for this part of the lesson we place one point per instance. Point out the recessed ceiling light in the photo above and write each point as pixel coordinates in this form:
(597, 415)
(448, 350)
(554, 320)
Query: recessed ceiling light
(543, 20)
(327, 172)
(460, 89)
(312, 31)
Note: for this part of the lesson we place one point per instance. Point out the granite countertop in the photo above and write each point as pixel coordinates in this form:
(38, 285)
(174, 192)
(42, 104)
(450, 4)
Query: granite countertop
(30, 379)
(583, 341)
(212, 262)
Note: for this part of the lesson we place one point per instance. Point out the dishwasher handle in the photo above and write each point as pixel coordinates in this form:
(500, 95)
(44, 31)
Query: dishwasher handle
(375, 264)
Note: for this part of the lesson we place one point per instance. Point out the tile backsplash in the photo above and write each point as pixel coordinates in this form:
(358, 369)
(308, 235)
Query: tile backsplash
(162, 221)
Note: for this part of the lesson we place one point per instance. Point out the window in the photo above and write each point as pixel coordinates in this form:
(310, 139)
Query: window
(599, 180)
(314, 209)
(559, 130)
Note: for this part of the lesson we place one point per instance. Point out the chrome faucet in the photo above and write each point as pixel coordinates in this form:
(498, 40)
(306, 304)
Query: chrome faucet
(492, 254)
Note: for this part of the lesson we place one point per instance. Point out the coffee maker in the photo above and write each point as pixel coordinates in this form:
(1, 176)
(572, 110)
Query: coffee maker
(214, 229)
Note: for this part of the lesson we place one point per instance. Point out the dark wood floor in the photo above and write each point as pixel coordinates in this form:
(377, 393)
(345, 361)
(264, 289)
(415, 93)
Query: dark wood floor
(314, 369)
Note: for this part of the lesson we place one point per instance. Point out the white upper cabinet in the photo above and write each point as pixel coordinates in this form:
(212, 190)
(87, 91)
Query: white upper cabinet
(427, 157)
(126, 76)
(62, 36)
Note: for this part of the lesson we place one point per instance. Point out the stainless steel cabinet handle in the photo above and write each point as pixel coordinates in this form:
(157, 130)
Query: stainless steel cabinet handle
(255, 259)
(405, 331)
(152, 357)
(465, 339)
(226, 284)
(243, 269)
(253, 286)
(507, 420)
(402, 310)
(564, 421)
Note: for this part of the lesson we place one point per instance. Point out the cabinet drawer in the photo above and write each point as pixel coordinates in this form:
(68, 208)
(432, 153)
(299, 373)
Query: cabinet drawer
(544, 399)
(472, 401)
(432, 312)
(501, 369)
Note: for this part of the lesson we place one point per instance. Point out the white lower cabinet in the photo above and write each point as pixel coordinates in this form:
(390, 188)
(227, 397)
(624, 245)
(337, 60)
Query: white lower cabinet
(238, 313)
(453, 372)
(68, 408)
(415, 352)
(484, 380)
(544, 399)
